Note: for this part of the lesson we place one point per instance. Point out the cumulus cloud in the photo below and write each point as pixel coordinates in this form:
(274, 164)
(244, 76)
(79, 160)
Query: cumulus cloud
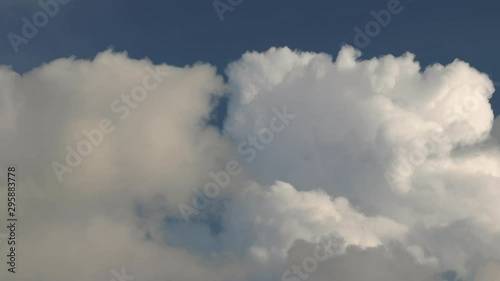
(271, 219)
(396, 164)
(160, 149)
(407, 143)
(390, 262)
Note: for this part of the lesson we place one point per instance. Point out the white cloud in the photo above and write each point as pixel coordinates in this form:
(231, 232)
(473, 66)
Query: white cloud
(361, 120)
(88, 223)
(384, 263)
(356, 121)
(269, 220)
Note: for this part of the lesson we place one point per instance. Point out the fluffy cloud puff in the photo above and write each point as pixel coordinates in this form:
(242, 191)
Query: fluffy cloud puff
(160, 149)
(407, 143)
(374, 131)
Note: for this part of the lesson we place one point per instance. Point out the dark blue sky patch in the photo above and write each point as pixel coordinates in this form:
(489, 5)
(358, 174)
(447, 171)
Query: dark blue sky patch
(183, 32)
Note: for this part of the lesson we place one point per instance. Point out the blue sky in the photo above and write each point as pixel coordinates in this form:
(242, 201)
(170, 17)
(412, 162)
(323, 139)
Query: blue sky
(184, 32)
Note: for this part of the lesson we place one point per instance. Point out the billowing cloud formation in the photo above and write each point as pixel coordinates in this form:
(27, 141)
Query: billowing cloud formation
(366, 125)
(399, 141)
(396, 166)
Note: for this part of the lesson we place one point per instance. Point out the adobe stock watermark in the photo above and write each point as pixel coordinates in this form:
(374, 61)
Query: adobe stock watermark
(31, 26)
(122, 107)
(407, 162)
(251, 147)
(223, 6)
(381, 19)
(254, 144)
(121, 276)
(310, 264)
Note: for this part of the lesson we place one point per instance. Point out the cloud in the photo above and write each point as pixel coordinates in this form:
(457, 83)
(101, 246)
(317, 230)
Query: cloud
(362, 122)
(383, 263)
(398, 141)
(495, 131)
(160, 149)
(393, 162)
(267, 220)
(488, 272)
